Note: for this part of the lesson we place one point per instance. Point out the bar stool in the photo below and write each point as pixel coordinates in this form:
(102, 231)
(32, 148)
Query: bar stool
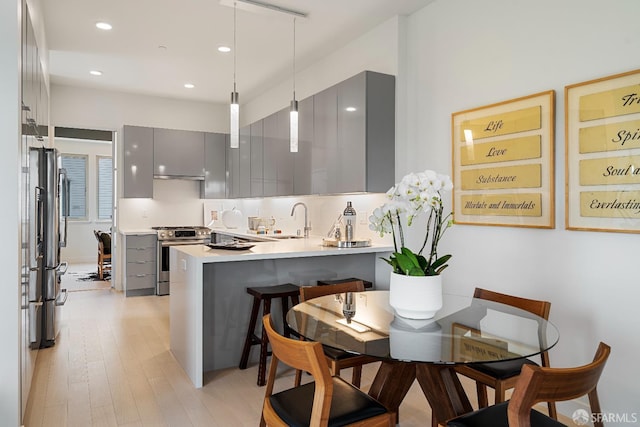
(264, 295)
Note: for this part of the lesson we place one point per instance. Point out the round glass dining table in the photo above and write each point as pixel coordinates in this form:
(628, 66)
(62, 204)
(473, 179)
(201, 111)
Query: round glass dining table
(426, 350)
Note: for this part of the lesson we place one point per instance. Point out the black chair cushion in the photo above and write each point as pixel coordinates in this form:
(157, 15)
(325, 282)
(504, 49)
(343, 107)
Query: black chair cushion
(502, 370)
(496, 416)
(336, 354)
(348, 404)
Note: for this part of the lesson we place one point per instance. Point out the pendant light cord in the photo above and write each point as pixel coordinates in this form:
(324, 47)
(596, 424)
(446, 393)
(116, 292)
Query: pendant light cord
(294, 58)
(234, 46)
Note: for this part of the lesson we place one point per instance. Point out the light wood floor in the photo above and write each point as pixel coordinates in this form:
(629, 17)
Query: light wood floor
(112, 366)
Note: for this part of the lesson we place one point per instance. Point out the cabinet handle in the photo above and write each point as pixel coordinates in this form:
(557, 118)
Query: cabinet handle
(140, 275)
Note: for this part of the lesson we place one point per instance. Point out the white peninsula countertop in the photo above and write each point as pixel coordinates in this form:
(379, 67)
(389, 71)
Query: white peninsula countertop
(209, 305)
(283, 248)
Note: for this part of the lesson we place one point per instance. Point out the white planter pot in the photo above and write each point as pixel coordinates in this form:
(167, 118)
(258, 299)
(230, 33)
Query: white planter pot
(415, 297)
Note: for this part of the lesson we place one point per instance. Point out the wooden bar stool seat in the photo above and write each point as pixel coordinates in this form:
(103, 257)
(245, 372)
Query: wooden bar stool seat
(264, 295)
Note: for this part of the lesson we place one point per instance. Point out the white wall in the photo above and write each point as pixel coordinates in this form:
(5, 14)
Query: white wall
(463, 54)
(9, 216)
(375, 51)
(105, 109)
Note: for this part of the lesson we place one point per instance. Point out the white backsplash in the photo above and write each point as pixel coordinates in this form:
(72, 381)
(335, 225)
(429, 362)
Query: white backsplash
(322, 212)
(177, 202)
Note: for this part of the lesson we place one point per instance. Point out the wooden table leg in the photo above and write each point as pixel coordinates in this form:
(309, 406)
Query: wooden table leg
(443, 390)
(392, 383)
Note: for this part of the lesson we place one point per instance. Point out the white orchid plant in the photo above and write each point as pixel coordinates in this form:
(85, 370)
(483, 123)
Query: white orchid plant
(417, 193)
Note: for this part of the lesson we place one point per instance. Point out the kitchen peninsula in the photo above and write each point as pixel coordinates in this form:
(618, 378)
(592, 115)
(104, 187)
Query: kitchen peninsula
(209, 306)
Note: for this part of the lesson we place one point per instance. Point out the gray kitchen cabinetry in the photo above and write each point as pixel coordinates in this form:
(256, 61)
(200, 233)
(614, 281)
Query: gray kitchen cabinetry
(324, 147)
(244, 162)
(256, 167)
(277, 160)
(215, 175)
(269, 155)
(353, 147)
(303, 158)
(140, 264)
(239, 165)
(283, 154)
(137, 174)
(178, 154)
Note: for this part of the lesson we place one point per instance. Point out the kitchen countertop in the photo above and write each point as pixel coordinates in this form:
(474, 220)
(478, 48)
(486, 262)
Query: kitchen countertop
(285, 248)
(138, 231)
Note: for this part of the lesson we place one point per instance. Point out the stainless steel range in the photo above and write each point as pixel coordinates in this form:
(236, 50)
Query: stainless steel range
(175, 235)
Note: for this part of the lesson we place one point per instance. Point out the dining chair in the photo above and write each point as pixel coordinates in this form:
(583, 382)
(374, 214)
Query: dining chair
(338, 359)
(327, 401)
(539, 384)
(104, 252)
(502, 376)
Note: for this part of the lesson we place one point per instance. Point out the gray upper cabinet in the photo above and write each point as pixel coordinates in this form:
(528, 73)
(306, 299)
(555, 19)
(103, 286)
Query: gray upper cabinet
(256, 175)
(244, 180)
(137, 175)
(353, 148)
(380, 131)
(284, 156)
(302, 159)
(324, 147)
(350, 161)
(214, 184)
(233, 172)
(178, 154)
(269, 155)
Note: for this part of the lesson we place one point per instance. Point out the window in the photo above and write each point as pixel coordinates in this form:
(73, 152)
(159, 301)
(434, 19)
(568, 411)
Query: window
(76, 167)
(104, 187)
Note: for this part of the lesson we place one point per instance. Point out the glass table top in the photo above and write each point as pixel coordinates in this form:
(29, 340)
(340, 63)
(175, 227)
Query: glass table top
(484, 331)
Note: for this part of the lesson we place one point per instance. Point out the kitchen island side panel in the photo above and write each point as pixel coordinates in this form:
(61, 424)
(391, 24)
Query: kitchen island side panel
(226, 306)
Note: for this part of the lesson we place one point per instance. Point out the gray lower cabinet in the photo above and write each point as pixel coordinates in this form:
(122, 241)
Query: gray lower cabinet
(178, 154)
(140, 264)
(137, 173)
(215, 166)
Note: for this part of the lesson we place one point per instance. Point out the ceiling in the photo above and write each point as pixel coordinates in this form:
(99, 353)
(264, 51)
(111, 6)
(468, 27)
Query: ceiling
(156, 46)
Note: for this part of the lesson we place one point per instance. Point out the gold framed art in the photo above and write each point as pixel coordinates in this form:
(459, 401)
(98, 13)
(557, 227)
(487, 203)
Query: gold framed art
(503, 167)
(602, 146)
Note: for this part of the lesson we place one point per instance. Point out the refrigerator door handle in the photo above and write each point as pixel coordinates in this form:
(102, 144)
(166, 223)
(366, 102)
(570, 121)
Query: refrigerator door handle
(39, 226)
(66, 295)
(64, 191)
(62, 268)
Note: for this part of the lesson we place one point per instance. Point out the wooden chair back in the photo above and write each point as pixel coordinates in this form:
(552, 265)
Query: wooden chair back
(537, 307)
(540, 384)
(302, 355)
(308, 292)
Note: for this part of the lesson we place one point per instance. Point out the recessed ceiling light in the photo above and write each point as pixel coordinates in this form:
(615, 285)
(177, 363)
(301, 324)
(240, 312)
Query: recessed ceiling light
(189, 85)
(351, 109)
(95, 73)
(103, 25)
(224, 49)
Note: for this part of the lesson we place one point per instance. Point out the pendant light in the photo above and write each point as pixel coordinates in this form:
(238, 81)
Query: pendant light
(234, 107)
(293, 114)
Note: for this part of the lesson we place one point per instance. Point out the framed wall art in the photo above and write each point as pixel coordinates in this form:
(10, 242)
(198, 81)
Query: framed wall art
(602, 137)
(503, 163)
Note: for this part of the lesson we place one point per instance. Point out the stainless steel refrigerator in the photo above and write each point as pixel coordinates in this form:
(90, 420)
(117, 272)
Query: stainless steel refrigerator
(48, 206)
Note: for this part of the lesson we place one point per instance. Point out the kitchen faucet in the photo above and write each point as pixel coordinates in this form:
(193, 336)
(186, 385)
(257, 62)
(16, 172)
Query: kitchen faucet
(307, 228)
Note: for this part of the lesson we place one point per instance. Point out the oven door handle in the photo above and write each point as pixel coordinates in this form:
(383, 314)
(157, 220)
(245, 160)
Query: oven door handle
(182, 242)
